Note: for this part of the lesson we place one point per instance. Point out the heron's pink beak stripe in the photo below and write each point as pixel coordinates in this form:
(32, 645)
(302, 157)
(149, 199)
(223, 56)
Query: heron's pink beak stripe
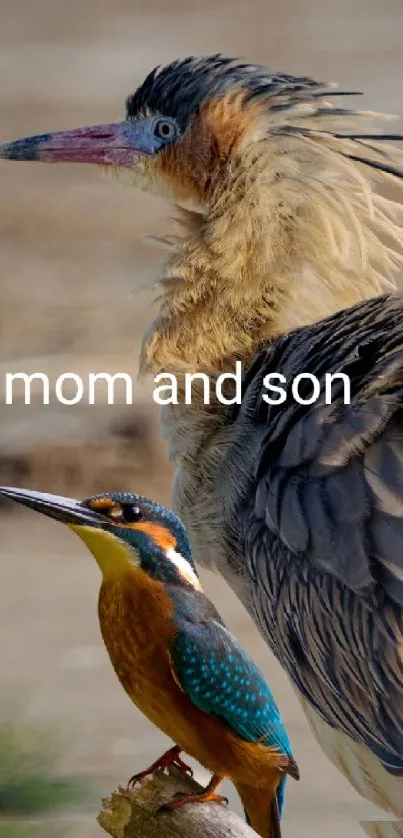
(112, 144)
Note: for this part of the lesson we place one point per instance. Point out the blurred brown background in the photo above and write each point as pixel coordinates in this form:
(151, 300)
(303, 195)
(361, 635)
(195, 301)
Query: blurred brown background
(72, 259)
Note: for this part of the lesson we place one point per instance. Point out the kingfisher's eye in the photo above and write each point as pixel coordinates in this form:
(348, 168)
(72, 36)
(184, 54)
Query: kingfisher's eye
(132, 514)
(165, 129)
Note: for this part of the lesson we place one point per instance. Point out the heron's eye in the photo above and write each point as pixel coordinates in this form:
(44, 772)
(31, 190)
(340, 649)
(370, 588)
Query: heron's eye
(132, 514)
(165, 129)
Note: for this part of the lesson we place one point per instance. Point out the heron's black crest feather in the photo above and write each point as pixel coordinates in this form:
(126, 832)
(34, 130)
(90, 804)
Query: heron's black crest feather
(179, 88)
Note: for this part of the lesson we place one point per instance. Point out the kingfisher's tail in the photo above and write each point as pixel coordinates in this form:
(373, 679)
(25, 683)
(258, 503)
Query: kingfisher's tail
(261, 809)
(263, 805)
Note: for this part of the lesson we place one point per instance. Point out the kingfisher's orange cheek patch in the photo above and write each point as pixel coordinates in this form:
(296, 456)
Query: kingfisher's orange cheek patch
(161, 536)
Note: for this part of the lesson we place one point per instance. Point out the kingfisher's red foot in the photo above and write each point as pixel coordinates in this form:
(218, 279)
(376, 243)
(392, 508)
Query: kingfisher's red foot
(207, 795)
(170, 757)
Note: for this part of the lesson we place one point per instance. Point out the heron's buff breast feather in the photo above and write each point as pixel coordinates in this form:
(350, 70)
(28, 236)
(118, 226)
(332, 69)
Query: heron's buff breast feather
(137, 627)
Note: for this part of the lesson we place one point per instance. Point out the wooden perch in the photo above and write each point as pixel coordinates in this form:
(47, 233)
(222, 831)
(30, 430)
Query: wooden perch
(132, 813)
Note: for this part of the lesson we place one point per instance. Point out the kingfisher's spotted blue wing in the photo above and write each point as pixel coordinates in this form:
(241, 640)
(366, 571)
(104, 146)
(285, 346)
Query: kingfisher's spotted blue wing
(220, 678)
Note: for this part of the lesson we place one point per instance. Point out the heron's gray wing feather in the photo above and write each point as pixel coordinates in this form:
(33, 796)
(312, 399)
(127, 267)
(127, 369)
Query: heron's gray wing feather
(325, 531)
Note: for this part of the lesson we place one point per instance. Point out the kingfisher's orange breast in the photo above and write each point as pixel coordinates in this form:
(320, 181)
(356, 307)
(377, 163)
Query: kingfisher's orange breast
(137, 625)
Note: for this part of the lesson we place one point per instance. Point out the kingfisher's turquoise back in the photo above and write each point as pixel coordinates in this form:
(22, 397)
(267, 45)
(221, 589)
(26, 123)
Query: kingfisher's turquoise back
(221, 679)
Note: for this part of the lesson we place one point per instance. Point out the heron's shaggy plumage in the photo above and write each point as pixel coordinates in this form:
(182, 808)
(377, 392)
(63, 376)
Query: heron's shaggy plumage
(296, 218)
(303, 219)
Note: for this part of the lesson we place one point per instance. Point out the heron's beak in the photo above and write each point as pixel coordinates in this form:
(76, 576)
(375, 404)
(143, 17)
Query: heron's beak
(115, 144)
(66, 510)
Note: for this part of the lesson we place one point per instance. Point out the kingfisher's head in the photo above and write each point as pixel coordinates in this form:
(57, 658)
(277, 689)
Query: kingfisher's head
(123, 531)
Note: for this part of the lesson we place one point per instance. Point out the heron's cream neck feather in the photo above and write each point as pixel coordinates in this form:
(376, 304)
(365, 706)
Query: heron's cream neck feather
(298, 230)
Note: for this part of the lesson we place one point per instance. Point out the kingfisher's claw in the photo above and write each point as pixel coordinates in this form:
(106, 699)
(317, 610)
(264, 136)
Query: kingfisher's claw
(171, 757)
(183, 798)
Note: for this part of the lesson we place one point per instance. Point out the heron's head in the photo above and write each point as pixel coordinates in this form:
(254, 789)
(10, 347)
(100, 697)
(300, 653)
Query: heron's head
(292, 221)
(186, 126)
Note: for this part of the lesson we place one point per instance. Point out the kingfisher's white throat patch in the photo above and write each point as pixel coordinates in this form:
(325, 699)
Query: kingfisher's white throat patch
(184, 567)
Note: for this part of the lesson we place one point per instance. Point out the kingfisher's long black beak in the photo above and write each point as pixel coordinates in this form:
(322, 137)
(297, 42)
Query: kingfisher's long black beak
(66, 510)
(113, 144)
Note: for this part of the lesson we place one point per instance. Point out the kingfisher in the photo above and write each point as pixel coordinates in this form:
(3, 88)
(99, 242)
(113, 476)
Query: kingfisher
(290, 244)
(173, 654)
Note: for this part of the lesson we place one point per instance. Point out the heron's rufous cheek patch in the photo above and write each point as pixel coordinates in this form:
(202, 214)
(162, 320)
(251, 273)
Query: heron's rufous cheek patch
(194, 163)
(228, 120)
